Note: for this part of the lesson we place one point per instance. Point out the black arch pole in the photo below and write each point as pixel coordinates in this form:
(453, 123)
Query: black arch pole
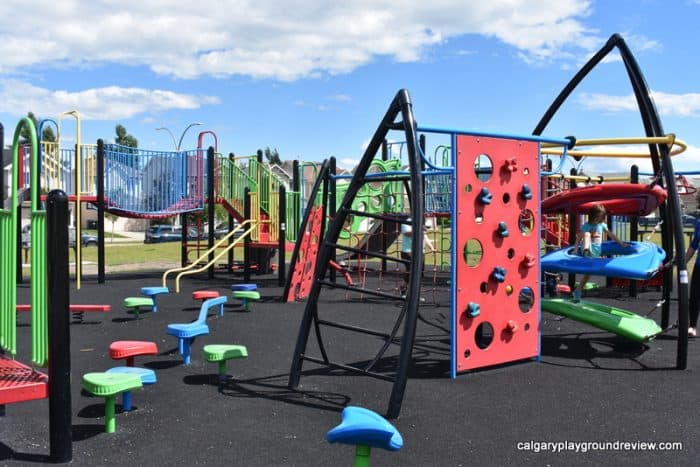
(60, 408)
(400, 107)
(661, 162)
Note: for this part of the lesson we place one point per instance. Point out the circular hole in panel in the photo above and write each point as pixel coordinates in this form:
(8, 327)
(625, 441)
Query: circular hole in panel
(390, 201)
(526, 299)
(468, 188)
(361, 207)
(527, 326)
(483, 167)
(484, 287)
(526, 222)
(483, 335)
(467, 353)
(473, 252)
(511, 253)
(506, 198)
(376, 202)
(375, 169)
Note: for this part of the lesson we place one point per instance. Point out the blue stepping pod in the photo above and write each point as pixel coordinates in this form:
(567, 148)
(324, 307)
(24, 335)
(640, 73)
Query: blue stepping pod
(153, 292)
(363, 427)
(147, 376)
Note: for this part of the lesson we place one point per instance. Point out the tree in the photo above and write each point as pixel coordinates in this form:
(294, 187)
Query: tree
(112, 218)
(125, 139)
(272, 156)
(46, 135)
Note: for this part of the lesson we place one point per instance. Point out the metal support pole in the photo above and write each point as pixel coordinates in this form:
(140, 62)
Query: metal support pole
(246, 240)
(282, 247)
(100, 211)
(332, 200)
(634, 226)
(211, 206)
(60, 408)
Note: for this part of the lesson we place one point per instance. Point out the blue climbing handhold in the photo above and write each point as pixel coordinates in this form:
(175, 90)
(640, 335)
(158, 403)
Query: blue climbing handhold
(499, 274)
(473, 310)
(526, 191)
(503, 229)
(485, 196)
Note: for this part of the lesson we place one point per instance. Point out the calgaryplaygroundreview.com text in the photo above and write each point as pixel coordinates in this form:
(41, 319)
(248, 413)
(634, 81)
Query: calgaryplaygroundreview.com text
(588, 446)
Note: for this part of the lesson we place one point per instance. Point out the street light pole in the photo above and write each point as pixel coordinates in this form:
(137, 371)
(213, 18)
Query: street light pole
(178, 143)
(170, 133)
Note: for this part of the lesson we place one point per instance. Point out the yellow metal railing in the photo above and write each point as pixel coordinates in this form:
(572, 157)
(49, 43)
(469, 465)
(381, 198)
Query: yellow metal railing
(245, 228)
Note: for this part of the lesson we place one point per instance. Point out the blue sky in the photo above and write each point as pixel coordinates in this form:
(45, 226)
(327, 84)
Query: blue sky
(313, 79)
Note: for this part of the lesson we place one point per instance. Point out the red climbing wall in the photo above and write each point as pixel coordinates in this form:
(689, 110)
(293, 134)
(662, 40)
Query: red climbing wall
(303, 274)
(497, 247)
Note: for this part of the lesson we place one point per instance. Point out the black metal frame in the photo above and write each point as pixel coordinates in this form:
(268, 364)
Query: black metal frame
(400, 107)
(672, 231)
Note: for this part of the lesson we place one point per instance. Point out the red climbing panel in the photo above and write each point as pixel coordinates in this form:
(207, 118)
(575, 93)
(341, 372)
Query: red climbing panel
(19, 383)
(303, 274)
(497, 223)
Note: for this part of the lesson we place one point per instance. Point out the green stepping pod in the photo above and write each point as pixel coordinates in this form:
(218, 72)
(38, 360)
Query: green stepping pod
(221, 353)
(246, 296)
(108, 385)
(136, 303)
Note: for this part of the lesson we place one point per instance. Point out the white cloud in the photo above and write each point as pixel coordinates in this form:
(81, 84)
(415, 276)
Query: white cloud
(279, 40)
(339, 98)
(683, 105)
(688, 161)
(107, 103)
(348, 163)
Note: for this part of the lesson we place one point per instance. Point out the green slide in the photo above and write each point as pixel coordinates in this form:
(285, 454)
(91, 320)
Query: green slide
(608, 318)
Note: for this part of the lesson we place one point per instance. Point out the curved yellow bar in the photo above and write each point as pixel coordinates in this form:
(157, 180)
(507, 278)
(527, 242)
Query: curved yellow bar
(677, 147)
(188, 269)
(78, 189)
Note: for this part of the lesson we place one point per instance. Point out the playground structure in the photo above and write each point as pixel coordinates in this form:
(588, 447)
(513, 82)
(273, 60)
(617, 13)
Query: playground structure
(137, 183)
(495, 212)
(50, 338)
(487, 185)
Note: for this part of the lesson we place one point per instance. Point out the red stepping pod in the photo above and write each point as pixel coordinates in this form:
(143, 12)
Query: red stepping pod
(204, 294)
(129, 349)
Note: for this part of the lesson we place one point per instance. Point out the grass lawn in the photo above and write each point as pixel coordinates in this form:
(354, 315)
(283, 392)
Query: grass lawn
(131, 253)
